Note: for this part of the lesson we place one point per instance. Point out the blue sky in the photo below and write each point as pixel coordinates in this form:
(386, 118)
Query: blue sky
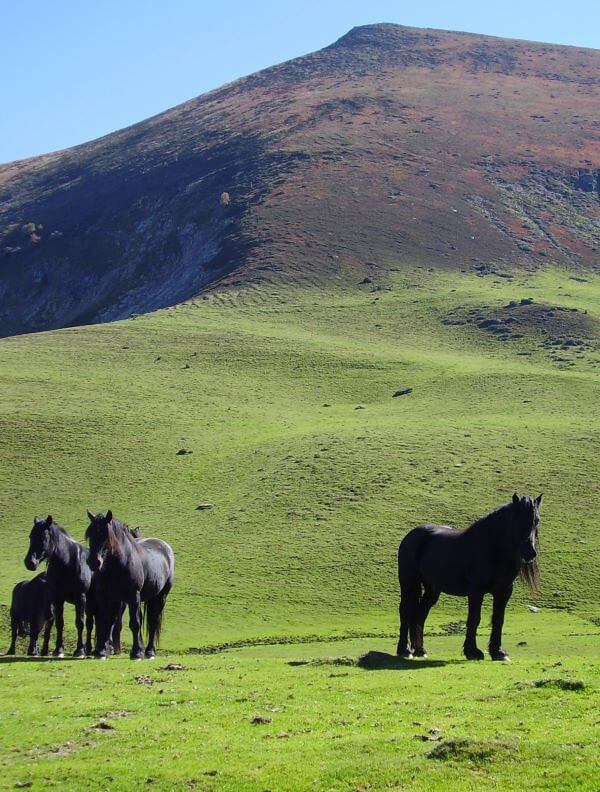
(73, 70)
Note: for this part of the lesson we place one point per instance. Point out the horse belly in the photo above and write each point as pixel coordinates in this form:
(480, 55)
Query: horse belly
(442, 569)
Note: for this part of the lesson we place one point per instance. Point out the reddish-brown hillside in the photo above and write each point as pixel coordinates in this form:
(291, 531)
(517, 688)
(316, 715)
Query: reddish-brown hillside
(392, 145)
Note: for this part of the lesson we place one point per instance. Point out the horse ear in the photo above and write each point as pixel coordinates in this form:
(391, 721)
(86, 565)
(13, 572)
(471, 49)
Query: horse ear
(91, 516)
(108, 516)
(49, 520)
(538, 500)
(515, 498)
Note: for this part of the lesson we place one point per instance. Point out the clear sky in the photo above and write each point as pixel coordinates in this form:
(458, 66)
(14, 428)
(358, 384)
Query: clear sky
(73, 70)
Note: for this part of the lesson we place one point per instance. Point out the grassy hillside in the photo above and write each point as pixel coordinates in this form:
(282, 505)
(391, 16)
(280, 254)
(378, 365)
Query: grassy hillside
(315, 471)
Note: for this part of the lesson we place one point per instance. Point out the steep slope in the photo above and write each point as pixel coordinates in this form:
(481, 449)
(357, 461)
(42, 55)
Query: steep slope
(393, 145)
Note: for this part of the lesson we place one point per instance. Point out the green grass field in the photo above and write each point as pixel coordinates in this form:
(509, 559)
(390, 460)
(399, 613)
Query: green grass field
(311, 496)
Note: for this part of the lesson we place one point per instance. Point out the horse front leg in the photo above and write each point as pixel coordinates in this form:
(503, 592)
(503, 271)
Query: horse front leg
(59, 619)
(470, 649)
(105, 617)
(495, 646)
(135, 625)
(79, 612)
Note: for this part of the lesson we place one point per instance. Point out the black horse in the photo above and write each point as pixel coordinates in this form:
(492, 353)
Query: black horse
(68, 575)
(30, 611)
(129, 570)
(93, 605)
(486, 558)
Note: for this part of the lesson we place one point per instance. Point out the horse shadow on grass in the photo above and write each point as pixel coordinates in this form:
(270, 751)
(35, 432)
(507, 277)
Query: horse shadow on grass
(9, 659)
(382, 661)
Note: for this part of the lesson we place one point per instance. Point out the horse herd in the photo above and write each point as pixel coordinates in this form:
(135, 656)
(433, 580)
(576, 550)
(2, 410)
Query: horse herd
(120, 569)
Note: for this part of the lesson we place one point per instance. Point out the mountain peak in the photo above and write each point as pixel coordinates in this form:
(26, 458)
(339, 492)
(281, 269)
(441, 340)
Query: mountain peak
(393, 145)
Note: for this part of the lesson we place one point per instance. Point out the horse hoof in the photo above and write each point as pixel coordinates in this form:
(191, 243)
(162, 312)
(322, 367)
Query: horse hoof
(501, 657)
(477, 654)
(99, 657)
(59, 655)
(422, 655)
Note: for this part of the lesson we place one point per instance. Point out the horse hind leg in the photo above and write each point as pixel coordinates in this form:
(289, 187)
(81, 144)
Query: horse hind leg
(135, 625)
(47, 631)
(34, 630)
(89, 627)
(428, 600)
(14, 627)
(409, 602)
(155, 610)
(116, 631)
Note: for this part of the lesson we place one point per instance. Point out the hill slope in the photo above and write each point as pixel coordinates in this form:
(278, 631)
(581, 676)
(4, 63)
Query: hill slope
(394, 145)
(314, 469)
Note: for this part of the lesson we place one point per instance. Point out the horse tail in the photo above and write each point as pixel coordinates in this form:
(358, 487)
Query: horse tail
(409, 554)
(144, 621)
(159, 626)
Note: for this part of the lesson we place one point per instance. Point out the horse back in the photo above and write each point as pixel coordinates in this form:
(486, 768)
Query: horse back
(31, 598)
(158, 562)
(436, 556)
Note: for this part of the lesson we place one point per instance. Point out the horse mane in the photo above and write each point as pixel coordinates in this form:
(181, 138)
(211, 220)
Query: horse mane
(490, 518)
(529, 573)
(118, 534)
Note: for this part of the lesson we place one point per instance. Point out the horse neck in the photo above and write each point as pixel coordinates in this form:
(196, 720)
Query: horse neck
(496, 527)
(64, 548)
(123, 547)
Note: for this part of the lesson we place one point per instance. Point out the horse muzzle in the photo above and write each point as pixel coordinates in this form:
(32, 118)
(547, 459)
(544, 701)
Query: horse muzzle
(95, 564)
(32, 562)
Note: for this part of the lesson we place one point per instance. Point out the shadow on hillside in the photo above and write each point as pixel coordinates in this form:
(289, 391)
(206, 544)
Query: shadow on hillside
(379, 661)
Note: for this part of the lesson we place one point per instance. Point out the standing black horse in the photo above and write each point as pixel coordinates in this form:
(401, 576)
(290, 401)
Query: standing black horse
(30, 610)
(68, 574)
(484, 559)
(129, 570)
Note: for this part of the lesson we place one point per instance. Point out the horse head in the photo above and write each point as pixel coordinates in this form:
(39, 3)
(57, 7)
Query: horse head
(526, 519)
(99, 536)
(40, 543)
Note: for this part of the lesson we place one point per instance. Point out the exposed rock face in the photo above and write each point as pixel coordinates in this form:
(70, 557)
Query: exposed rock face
(588, 181)
(392, 145)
